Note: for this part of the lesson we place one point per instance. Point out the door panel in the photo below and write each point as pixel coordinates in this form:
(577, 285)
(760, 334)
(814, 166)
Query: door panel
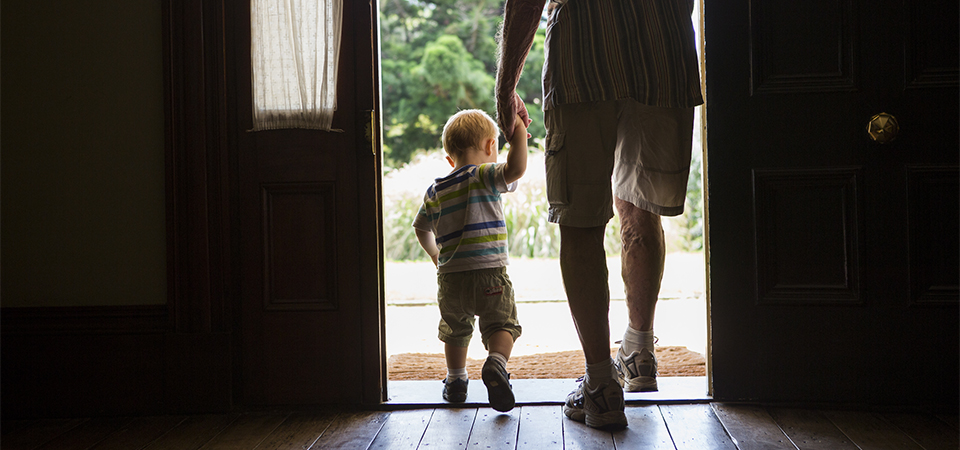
(807, 236)
(299, 237)
(933, 263)
(301, 210)
(789, 55)
(834, 258)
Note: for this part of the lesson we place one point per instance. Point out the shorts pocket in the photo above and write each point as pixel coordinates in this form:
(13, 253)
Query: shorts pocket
(556, 169)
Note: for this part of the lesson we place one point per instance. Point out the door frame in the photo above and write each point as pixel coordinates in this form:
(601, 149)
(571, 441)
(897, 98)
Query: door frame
(373, 315)
(699, 24)
(705, 189)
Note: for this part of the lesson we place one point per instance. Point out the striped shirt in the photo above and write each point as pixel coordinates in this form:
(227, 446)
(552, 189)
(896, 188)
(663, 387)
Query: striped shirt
(464, 212)
(611, 49)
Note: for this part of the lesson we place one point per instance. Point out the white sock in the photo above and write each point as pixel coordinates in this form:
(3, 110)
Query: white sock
(635, 340)
(498, 357)
(598, 373)
(453, 374)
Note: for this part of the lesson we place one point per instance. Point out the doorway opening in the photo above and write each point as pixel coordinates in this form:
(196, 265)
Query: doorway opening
(434, 62)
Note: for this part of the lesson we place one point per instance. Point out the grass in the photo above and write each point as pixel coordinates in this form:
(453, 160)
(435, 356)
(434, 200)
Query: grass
(529, 234)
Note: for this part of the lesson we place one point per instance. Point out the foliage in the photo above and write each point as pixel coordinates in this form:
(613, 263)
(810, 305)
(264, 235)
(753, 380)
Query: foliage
(525, 212)
(690, 224)
(438, 57)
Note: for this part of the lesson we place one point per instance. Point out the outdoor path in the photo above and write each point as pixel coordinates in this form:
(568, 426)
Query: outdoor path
(412, 314)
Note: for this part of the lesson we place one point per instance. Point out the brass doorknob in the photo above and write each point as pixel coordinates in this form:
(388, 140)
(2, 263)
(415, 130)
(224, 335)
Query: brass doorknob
(883, 128)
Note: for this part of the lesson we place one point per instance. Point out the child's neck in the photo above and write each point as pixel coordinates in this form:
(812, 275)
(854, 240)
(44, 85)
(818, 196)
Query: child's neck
(474, 158)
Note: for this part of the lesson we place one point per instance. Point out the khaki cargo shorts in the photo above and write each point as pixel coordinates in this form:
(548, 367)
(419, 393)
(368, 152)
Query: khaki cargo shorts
(637, 152)
(483, 293)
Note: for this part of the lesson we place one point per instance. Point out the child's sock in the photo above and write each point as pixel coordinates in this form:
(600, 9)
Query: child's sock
(634, 340)
(453, 374)
(499, 358)
(598, 373)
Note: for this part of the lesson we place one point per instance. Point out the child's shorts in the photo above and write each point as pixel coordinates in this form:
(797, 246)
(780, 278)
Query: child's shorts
(484, 293)
(644, 149)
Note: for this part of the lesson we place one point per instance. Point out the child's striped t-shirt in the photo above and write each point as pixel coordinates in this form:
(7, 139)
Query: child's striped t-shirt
(465, 214)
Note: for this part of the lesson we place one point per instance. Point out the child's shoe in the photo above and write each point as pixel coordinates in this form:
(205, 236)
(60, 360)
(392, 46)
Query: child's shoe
(497, 380)
(455, 391)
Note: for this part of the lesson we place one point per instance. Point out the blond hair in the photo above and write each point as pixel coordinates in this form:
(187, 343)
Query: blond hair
(467, 129)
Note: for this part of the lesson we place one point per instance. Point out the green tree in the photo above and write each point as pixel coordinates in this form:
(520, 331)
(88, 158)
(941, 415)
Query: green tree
(438, 57)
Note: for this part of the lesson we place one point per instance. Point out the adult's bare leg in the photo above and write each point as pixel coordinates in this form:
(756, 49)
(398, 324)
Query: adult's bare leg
(642, 259)
(583, 265)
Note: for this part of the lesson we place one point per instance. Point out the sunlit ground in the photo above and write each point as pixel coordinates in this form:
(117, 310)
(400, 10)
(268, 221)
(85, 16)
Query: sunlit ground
(412, 313)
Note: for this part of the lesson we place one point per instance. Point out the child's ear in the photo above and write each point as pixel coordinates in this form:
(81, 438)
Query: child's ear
(491, 146)
(450, 160)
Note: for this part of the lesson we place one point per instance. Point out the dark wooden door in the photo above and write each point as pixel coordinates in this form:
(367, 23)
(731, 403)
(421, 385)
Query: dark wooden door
(834, 258)
(310, 325)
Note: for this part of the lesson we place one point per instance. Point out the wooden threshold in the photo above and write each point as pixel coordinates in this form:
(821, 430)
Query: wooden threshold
(403, 394)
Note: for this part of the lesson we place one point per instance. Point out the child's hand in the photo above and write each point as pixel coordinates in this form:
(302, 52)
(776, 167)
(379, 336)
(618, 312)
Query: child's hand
(516, 163)
(519, 130)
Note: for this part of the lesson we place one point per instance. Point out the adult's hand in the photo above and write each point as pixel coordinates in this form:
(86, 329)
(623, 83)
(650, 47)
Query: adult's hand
(508, 109)
(520, 21)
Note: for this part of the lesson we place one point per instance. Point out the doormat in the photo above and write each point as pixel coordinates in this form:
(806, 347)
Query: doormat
(672, 361)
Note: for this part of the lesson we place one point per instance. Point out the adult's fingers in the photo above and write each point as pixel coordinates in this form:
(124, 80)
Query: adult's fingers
(521, 109)
(506, 115)
(507, 122)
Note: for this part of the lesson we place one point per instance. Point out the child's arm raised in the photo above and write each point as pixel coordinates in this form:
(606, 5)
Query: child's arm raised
(516, 163)
(429, 244)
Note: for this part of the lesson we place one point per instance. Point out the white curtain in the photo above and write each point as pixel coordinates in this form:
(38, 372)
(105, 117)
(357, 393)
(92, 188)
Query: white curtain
(295, 48)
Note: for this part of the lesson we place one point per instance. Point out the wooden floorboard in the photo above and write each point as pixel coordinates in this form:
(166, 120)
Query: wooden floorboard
(577, 436)
(695, 427)
(352, 430)
(810, 429)
(541, 428)
(87, 434)
(494, 430)
(9, 426)
(299, 430)
(751, 427)
(193, 432)
(927, 430)
(950, 419)
(449, 428)
(38, 432)
(247, 431)
(538, 427)
(646, 429)
(871, 430)
(403, 430)
(139, 432)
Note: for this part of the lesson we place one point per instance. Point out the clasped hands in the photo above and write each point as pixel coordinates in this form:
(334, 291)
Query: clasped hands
(508, 108)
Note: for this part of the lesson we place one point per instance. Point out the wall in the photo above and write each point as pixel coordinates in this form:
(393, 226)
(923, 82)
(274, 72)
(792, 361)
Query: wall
(83, 214)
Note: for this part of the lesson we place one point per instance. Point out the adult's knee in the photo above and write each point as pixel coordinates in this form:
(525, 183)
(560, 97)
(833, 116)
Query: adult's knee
(640, 228)
(581, 237)
(581, 250)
